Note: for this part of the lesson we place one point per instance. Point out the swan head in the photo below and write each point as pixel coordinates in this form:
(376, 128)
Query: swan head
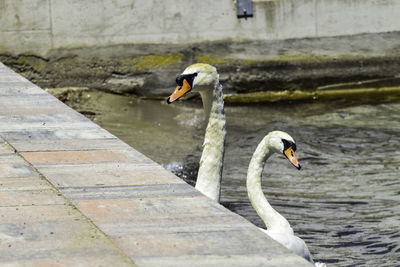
(281, 142)
(195, 78)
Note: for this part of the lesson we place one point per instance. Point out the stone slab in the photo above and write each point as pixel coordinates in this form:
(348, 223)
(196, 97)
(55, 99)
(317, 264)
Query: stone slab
(59, 145)
(42, 158)
(23, 101)
(38, 227)
(74, 157)
(53, 235)
(11, 165)
(23, 184)
(171, 224)
(107, 174)
(249, 260)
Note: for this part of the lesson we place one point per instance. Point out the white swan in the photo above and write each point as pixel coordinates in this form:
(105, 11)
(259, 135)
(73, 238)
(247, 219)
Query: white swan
(203, 78)
(278, 228)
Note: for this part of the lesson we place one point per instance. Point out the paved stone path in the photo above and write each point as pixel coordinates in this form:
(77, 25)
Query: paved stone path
(73, 194)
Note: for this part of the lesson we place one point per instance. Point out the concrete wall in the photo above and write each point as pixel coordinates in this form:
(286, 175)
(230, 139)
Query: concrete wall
(41, 26)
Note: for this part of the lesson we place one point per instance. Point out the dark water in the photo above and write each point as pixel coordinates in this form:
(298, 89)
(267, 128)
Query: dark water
(345, 201)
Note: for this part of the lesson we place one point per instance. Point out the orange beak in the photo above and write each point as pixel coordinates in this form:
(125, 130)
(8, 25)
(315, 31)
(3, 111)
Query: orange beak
(289, 153)
(179, 92)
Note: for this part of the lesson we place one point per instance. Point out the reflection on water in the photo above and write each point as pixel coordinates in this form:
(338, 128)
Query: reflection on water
(345, 202)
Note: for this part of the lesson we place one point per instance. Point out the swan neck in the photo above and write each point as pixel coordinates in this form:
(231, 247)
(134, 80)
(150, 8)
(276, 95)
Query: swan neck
(211, 162)
(274, 221)
(207, 98)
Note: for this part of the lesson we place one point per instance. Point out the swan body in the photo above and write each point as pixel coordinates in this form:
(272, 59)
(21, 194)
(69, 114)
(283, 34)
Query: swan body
(203, 78)
(278, 228)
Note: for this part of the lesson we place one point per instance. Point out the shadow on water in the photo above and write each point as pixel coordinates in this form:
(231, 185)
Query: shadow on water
(344, 202)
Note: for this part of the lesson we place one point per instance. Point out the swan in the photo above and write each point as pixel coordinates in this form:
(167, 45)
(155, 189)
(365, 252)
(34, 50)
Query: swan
(203, 78)
(278, 228)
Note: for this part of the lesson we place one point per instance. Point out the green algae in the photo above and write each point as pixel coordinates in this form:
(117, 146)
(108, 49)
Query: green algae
(299, 95)
(38, 64)
(210, 60)
(279, 59)
(303, 59)
(315, 58)
(150, 62)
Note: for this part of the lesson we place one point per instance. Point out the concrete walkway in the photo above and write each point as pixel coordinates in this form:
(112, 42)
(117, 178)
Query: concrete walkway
(73, 194)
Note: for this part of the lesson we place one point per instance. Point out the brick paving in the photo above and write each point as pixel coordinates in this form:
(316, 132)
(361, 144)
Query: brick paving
(73, 194)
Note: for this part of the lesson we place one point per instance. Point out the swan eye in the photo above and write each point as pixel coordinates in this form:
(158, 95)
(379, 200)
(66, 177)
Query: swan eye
(188, 77)
(287, 144)
(294, 147)
(179, 80)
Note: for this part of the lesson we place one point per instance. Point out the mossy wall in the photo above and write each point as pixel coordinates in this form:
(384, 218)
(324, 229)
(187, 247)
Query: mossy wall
(287, 69)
